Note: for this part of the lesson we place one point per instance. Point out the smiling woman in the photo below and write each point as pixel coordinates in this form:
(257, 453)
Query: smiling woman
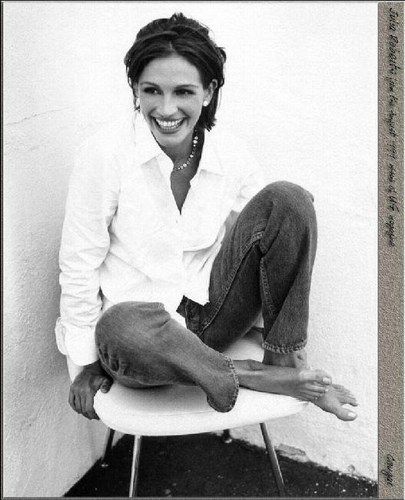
(171, 95)
(173, 245)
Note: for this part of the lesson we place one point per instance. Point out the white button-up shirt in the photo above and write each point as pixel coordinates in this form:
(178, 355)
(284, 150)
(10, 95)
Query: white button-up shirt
(124, 236)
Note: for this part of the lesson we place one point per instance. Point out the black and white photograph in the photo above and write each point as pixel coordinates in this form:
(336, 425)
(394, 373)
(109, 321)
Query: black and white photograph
(190, 200)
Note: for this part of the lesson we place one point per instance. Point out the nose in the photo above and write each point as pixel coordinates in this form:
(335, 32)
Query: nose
(168, 107)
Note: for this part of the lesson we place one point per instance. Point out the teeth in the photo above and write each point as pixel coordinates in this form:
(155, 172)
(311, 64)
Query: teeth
(168, 124)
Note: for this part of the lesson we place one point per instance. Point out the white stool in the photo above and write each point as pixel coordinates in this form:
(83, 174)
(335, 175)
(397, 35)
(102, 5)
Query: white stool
(181, 410)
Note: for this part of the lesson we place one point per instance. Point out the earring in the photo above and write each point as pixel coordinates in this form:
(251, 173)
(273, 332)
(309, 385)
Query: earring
(205, 103)
(137, 102)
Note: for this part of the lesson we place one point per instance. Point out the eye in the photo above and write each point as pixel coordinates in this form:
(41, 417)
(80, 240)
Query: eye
(150, 90)
(184, 92)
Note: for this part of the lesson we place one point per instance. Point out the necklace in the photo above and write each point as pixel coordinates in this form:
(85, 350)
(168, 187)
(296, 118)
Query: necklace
(190, 156)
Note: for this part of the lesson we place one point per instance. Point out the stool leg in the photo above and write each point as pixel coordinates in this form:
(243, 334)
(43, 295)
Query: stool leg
(107, 448)
(273, 460)
(135, 466)
(226, 436)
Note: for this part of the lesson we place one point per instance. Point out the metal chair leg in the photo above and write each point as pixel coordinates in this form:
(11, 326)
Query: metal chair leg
(226, 436)
(107, 448)
(273, 460)
(135, 466)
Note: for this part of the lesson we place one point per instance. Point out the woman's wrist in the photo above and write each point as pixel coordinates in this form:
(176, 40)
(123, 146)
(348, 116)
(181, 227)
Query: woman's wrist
(95, 368)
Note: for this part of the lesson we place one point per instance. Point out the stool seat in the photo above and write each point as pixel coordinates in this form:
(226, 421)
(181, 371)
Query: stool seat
(179, 409)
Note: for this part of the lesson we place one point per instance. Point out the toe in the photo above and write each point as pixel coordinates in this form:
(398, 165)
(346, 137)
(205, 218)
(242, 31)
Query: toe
(347, 398)
(342, 392)
(341, 389)
(345, 414)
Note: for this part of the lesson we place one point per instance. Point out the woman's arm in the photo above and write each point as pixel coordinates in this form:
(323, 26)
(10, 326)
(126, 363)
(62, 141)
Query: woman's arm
(91, 204)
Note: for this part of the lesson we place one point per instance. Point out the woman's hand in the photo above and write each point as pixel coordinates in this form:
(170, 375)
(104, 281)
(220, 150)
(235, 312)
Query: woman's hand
(85, 386)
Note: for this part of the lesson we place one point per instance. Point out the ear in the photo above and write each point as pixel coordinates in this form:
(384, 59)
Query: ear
(135, 91)
(209, 91)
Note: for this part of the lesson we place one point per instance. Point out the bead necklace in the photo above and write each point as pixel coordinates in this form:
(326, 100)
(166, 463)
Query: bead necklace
(191, 155)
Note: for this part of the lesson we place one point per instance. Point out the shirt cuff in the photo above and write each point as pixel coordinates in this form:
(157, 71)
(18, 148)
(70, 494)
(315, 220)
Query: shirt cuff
(76, 342)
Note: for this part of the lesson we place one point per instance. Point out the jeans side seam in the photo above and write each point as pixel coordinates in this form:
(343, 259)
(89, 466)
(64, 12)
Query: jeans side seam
(266, 287)
(233, 273)
(234, 396)
(236, 382)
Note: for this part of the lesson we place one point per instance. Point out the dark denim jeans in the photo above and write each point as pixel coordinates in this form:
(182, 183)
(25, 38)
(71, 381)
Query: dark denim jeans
(264, 265)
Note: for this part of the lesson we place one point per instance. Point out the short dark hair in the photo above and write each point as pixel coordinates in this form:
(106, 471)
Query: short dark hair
(188, 38)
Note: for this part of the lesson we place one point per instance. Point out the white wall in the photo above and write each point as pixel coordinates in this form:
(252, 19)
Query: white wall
(301, 85)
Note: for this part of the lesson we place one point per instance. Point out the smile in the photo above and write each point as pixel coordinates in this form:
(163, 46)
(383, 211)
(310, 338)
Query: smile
(169, 125)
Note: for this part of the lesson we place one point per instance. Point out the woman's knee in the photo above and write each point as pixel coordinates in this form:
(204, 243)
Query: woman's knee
(287, 192)
(130, 341)
(285, 198)
(130, 325)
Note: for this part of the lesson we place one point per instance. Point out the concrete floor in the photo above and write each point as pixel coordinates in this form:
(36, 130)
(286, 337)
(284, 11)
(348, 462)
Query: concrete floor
(205, 466)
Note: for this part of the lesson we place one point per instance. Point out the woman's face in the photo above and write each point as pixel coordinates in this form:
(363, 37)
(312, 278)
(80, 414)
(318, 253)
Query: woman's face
(171, 97)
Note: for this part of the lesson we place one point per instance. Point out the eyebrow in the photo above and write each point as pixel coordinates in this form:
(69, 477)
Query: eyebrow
(177, 86)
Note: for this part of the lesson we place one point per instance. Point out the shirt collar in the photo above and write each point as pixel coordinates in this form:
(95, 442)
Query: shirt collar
(210, 160)
(148, 148)
(146, 145)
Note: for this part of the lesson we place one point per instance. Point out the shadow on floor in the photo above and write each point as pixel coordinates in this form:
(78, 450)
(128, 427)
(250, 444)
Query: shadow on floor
(204, 465)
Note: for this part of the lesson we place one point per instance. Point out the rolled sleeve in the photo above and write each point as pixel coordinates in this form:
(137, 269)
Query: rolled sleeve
(76, 342)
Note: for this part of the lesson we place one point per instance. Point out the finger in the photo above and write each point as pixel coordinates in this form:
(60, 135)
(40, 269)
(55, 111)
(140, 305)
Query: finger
(97, 382)
(319, 389)
(86, 406)
(318, 377)
(311, 396)
(72, 399)
(89, 407)
(306, 396)
(77, 404)
(106, 385)
(101, 383)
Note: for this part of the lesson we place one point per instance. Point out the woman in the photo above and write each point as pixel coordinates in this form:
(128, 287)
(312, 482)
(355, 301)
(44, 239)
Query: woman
(166, 218)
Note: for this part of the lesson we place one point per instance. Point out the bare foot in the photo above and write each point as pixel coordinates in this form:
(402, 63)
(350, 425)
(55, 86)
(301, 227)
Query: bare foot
(297, 359)
(333, 402)
(300, 383)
